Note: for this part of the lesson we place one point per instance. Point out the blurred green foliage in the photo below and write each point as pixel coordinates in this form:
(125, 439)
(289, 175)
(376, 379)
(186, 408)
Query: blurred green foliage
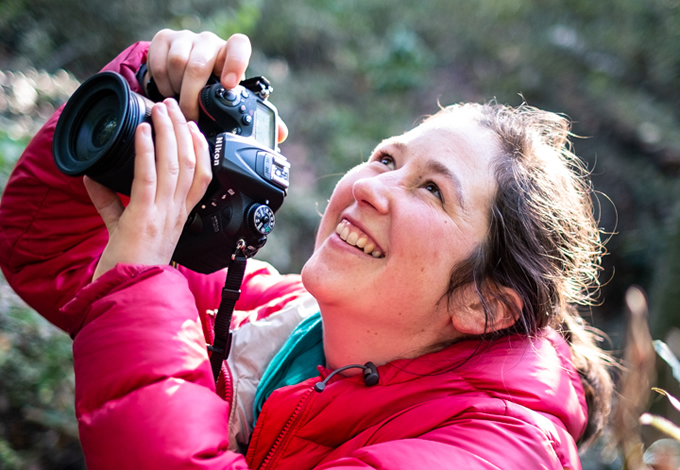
(350, 73)
(38, 428)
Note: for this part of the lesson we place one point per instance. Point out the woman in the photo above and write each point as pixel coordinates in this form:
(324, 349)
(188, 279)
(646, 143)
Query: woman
(445, 264)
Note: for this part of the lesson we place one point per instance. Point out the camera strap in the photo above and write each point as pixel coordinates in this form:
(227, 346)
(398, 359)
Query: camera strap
(219, 351)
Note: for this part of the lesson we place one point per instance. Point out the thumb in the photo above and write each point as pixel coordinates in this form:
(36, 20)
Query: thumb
(106, 202)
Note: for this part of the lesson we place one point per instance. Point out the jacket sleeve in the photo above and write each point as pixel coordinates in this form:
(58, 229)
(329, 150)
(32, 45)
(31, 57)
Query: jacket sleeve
(51, 236)
(145, 397)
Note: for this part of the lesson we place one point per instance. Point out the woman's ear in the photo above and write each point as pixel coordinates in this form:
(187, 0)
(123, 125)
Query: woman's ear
(468, 315)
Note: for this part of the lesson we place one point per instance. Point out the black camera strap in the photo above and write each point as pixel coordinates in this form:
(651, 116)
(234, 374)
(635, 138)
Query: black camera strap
(230, 294)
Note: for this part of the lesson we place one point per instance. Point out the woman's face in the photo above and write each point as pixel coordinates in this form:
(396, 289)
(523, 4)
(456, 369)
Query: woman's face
(397, 225)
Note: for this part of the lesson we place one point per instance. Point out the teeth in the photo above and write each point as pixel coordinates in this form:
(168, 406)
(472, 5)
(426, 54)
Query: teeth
(356, 238)
(345, 233)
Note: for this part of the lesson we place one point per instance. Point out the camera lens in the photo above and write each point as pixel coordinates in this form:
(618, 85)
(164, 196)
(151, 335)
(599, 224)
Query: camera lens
(95, 133)
(104, 129)
(98, 128)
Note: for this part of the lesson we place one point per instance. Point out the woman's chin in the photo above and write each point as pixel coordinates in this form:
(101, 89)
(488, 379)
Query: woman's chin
(314, 276)
(324, 279)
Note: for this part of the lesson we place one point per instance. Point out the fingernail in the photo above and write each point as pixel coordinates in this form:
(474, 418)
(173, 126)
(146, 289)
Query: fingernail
(232, 79)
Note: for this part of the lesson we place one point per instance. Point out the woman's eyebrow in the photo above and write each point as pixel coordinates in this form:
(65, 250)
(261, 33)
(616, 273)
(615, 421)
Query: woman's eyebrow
(438, 167)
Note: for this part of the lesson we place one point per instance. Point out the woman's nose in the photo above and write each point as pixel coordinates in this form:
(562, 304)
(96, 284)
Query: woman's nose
(373, 191)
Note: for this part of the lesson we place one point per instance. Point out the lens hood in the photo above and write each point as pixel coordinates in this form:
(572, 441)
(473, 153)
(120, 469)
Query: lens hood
(95, 132)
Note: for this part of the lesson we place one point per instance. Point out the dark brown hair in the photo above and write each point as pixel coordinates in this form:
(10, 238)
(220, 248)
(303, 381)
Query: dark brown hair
(543, 240)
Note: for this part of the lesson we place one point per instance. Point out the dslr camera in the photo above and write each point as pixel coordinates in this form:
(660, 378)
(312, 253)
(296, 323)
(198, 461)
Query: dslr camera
(95, 137)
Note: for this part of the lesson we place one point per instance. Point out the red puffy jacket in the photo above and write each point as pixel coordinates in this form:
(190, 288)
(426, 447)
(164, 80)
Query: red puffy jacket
(145, 397)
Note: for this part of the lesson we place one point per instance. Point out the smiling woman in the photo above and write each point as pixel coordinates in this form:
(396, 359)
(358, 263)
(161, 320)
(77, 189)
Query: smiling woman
(423, 199)
(446, 269)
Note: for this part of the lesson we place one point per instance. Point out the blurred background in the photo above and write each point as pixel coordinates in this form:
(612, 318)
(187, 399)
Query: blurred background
(347, 74)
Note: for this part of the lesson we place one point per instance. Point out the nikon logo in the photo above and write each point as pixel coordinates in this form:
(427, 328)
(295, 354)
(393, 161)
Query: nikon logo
(219, 142)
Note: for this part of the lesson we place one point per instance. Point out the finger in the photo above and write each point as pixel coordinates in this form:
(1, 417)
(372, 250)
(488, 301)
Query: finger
(236, 54)
(179, 55)
(144, 181)
(106, 202)
(282, 131)
(199, 67)
(157, 60)
(203, 172)
(186, 156)
(166, 165)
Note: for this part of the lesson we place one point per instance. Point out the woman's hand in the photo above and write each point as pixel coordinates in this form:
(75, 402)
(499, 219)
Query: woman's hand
(164, 190)
(181, 62)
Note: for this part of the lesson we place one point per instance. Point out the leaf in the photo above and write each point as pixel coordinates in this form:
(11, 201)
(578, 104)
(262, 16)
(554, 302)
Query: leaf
(662, 424)
(674, 401)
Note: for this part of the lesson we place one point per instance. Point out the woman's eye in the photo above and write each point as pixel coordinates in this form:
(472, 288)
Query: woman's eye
(387, 161)
(434, 189)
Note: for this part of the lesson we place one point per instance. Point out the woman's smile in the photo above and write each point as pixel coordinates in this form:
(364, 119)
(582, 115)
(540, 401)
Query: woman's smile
(355, 237)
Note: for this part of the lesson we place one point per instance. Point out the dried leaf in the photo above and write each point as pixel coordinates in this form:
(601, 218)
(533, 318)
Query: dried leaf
(636, 381)
(667, 355)
(674, 401)
(662, 424)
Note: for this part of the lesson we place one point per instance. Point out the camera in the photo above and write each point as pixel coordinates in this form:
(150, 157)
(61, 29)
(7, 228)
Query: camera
(95, 137)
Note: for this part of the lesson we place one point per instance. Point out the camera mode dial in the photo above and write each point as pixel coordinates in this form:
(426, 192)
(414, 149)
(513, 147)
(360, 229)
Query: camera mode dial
(261, 218)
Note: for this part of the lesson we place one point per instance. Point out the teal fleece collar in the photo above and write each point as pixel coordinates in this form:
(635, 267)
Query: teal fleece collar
(295, 362)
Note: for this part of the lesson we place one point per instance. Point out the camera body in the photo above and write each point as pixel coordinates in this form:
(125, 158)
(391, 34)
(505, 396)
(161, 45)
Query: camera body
(95, 137)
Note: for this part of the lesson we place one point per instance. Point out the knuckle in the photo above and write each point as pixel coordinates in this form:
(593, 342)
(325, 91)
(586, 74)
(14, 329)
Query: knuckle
(206, 36)
(205, 177)
(162, 35)
(173, 169)
(198, 67)
(203, 148)
(176, 59)
(146, 179)
(151, 231)
(189, 163)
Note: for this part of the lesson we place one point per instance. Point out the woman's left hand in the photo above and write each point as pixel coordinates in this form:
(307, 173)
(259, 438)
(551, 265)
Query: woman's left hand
(170, 178)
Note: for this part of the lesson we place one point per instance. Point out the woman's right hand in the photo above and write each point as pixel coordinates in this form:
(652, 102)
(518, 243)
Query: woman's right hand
(181, 62)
